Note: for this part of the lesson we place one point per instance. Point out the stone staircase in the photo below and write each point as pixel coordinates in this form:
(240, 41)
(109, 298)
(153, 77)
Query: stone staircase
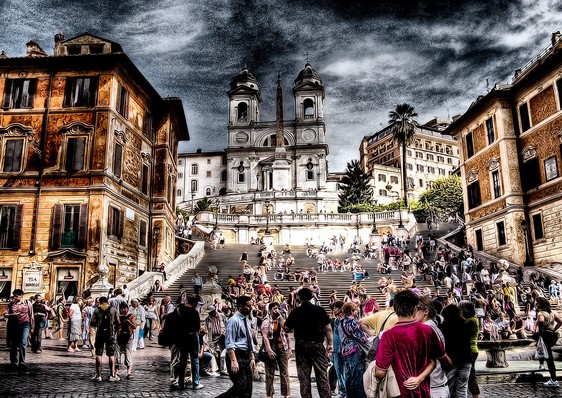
(227, 263)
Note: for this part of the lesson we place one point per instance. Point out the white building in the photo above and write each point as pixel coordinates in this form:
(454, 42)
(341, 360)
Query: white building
(200, 174)
(282, 162)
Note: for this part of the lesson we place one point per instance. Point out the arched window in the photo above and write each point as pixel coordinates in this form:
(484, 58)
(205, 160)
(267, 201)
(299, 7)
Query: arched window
(194, 169)
(194, 186)
(179, 192)
(208, 192)
(308, 106)
(272, 141)
(242, 112)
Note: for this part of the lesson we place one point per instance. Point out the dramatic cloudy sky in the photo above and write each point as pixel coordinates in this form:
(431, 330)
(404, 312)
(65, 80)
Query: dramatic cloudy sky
(371, 54)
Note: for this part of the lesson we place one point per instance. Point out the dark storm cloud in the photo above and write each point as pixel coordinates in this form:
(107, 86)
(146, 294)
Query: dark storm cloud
(371, 55)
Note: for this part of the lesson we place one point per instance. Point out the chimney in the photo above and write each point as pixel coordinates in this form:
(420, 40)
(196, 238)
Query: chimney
(34, 50)
(3, 54)
(555, 38)
(517, 72)
(59, 48)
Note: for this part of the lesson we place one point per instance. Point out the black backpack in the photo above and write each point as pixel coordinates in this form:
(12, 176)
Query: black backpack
(104, 322)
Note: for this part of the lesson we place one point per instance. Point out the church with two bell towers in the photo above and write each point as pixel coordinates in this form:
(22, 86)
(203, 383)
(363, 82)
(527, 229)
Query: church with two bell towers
(277, 166)
(281, 159)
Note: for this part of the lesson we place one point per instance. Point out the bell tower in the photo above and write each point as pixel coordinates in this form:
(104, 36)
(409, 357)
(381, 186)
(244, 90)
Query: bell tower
(244, 99)
(309, 96)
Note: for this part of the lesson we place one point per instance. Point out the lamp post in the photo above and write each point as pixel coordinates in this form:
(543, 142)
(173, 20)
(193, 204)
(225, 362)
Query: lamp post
(374, 231)
(400, 225)
(525, 228)
(156, 231)
(267, 206)
(216, 215)
(192, 198)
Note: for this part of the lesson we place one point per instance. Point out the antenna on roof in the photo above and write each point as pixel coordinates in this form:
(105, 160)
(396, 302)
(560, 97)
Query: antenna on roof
(487, 85)
(307, 57)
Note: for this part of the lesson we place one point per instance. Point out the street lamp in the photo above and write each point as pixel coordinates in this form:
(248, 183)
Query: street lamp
(267, 206)
(156, 231)
(400, 225)
(192, 197)
(217, 215)
(374, 231)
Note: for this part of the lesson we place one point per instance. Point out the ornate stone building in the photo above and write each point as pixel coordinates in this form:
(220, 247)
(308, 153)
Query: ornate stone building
(282, 162)
(432, 155)
(510, 163)
(87, 168)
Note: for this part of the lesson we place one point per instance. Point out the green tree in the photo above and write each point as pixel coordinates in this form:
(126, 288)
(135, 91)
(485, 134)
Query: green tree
(354, 187)
(403, 129)
(204, 204)
(445, 196)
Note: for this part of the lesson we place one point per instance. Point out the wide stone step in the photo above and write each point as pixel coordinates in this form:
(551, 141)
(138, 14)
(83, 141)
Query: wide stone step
(227, 262)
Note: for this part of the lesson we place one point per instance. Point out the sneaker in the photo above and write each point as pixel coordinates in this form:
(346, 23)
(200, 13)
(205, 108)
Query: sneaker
(129, 377)
(541, 367)
(198, 386)
(96, 378)
(114, 378)
(70, 349)
(77, 349)
(551, 383)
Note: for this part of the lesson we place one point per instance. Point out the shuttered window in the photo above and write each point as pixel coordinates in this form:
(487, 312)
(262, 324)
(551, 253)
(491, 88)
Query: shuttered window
(13, 155)
(10, 226)
(117, 160)
(69, 226)
(115, 223)
(75, 151)
(80, 91)
(142, 233)
(122, 101)
(144, 179)
(19, 93)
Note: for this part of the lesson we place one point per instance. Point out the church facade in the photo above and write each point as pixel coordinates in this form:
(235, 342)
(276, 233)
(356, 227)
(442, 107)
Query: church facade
(283, 162)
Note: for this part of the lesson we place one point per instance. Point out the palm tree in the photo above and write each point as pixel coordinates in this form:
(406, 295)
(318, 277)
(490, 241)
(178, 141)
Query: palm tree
(403, 130)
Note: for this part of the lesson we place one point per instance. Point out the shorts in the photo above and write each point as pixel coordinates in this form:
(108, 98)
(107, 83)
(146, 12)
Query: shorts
(107, 343)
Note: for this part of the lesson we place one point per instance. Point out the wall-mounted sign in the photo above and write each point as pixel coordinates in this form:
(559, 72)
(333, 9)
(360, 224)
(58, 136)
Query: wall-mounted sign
(130, 214)
(5, 274)
(67, 274)
(32, 280)
(551, 168)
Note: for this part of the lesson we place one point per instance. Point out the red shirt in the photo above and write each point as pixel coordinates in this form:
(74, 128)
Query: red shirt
(408, 346)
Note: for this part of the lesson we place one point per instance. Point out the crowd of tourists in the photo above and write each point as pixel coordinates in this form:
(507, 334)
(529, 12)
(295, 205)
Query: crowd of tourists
(418, 343)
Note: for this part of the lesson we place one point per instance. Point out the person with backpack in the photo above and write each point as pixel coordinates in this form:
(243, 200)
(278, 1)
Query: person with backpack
(125, 339)
(106, 322)
(21, 319)
(60, 318)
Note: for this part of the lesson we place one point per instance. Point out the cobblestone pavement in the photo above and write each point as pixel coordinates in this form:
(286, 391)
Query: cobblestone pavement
(57, 373)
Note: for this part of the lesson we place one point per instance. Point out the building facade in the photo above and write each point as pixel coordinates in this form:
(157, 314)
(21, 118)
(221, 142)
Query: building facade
(88, 169)
(200, 174)
(431, 155)
(510, 163)
(275, 166)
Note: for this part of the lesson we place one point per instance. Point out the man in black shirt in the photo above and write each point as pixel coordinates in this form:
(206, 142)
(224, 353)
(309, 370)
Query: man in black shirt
(311, 326)
(189, 324)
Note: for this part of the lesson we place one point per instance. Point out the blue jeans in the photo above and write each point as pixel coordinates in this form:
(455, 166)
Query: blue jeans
(354, 367)
(189, 346)
(337, 360)
(458, 380)
(19, 344)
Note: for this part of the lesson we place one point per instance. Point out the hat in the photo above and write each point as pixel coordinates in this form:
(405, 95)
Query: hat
(211, 308)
